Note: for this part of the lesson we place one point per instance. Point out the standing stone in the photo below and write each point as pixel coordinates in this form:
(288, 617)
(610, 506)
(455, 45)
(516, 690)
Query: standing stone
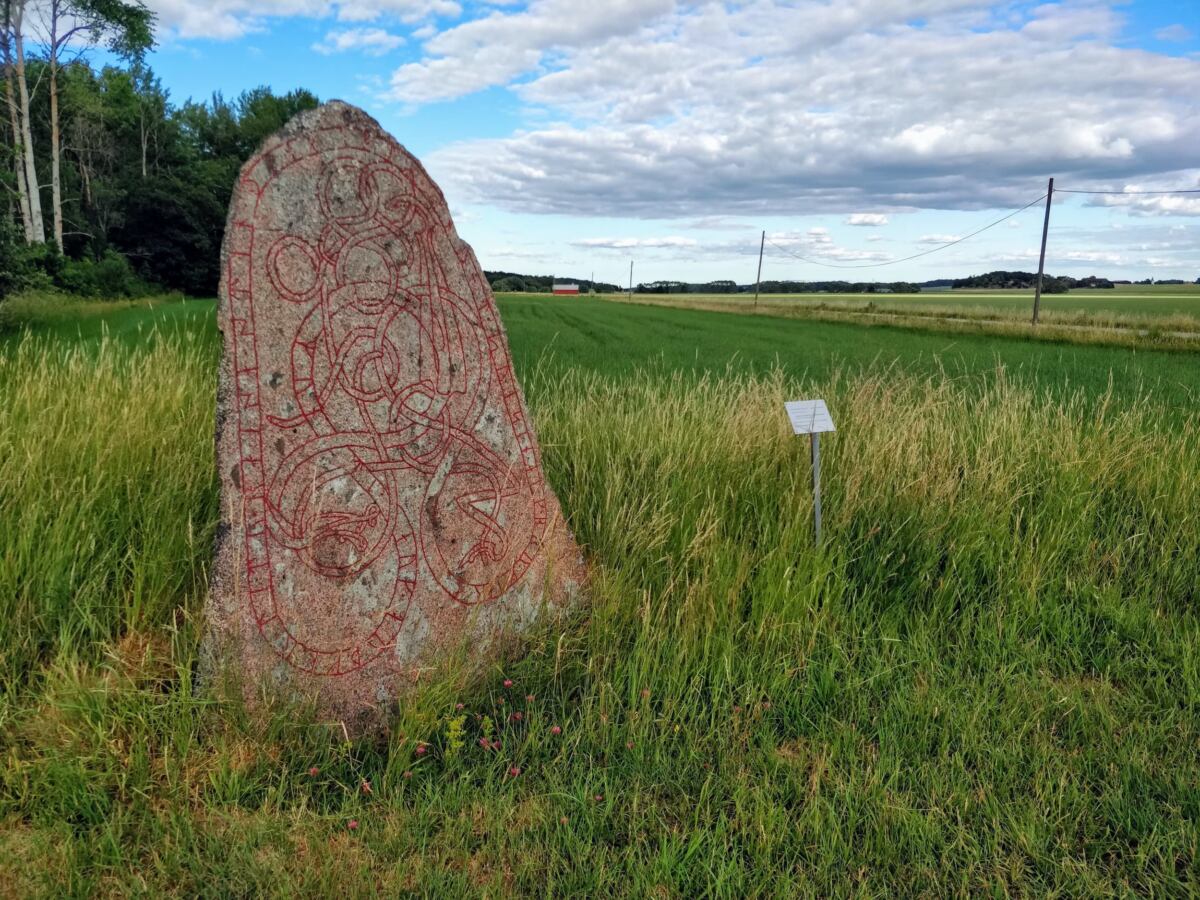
(382, 495)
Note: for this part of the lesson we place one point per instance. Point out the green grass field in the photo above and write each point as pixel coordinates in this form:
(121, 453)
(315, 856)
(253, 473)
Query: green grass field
(986, 681)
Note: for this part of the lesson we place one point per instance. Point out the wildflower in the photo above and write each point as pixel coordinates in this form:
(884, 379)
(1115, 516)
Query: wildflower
(529, 698)
(645, 693)
(766, 704)
(518, 716)
(737, 710)
(514, 771)
(458, 706)
(599, 798)
(629, 745)
(408, 774)
(483, 742)
(563, 821)
(556, 730)
(495, 745)
(508, 682)
(421, 750)
(366, 787)
(352, 824)
(314, 771)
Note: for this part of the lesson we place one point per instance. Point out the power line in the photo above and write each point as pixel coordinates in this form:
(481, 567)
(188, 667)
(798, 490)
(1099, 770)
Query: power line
(892, 262)
(1125, 193)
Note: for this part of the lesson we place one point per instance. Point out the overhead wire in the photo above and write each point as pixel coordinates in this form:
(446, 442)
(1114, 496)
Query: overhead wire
(892, 262)
(1126, 193)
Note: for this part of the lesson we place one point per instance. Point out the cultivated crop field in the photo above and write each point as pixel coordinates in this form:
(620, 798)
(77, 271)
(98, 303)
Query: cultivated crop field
(1134, 300)
(1131, 315)
(986, 681)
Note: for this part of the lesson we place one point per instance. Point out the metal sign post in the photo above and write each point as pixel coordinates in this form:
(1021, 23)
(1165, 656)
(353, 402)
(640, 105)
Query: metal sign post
(812, 417)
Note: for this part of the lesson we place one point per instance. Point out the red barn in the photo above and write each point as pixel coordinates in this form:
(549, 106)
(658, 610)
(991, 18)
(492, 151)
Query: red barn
(566, 289)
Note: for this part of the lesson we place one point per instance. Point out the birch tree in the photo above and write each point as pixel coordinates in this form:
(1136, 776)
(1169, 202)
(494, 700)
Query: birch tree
(125, 28)
(14, 15)
(10, 99)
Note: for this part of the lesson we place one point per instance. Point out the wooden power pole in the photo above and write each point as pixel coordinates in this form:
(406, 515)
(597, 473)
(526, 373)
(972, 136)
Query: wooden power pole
(758, 278)
(1037, 293)
(631, 279)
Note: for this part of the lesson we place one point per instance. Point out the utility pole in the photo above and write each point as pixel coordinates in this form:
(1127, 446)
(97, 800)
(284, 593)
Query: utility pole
(1037, 294)
(758, 278)
(631, 279)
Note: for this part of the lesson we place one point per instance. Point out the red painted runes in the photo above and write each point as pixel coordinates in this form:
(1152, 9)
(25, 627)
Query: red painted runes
(384, 455)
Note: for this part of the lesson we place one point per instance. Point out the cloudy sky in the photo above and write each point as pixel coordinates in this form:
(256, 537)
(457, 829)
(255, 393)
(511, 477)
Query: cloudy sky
(572, 136)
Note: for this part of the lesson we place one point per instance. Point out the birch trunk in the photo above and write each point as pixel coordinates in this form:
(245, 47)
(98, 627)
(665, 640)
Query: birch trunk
(37, 227)
(55, 156)
(18, 155)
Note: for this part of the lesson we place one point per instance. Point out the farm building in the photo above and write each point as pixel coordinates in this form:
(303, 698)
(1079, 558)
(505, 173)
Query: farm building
(566, 289)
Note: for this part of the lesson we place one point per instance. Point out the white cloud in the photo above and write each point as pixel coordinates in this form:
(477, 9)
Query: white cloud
(867, 219)
(226, 19)
(1153, 204)
(634, 243)
(500, 47)
(1178, 33)
(818, 245)
(808, 106)
(229, 19)
(939, 238)
(371, 41)
(405, 10)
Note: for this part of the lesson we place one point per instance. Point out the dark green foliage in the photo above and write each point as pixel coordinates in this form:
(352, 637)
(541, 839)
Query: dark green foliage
(141, 177)
(11, 256)
(1050, 283)
(109, 277)
(511, 282)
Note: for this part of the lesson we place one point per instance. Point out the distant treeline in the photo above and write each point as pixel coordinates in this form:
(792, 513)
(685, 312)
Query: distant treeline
(778, 287)
(1051, 284)
(508, 282)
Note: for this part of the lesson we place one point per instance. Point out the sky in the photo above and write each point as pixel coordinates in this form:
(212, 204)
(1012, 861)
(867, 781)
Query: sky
(572, 137)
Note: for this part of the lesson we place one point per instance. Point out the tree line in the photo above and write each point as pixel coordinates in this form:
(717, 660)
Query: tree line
(112, 188)
(510, 282)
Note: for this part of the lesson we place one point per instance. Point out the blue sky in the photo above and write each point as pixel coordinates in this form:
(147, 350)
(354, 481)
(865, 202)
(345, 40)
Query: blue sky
(572, 136)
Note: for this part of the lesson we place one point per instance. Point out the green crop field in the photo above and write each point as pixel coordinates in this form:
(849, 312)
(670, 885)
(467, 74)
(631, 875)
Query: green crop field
(1130, 300)
(986, 681)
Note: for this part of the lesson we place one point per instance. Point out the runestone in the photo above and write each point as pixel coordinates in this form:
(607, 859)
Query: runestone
(382, 494)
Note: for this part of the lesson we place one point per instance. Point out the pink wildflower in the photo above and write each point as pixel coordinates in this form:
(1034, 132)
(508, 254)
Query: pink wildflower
(352, 824)
(508, 682)
(514, 771)
(314, 771)
(556, 730)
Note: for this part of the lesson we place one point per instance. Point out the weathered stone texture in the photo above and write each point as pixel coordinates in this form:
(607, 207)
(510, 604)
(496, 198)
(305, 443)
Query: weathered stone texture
(382, 496)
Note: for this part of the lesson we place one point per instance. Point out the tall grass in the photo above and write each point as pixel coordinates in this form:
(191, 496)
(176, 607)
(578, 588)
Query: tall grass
(987, 679)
